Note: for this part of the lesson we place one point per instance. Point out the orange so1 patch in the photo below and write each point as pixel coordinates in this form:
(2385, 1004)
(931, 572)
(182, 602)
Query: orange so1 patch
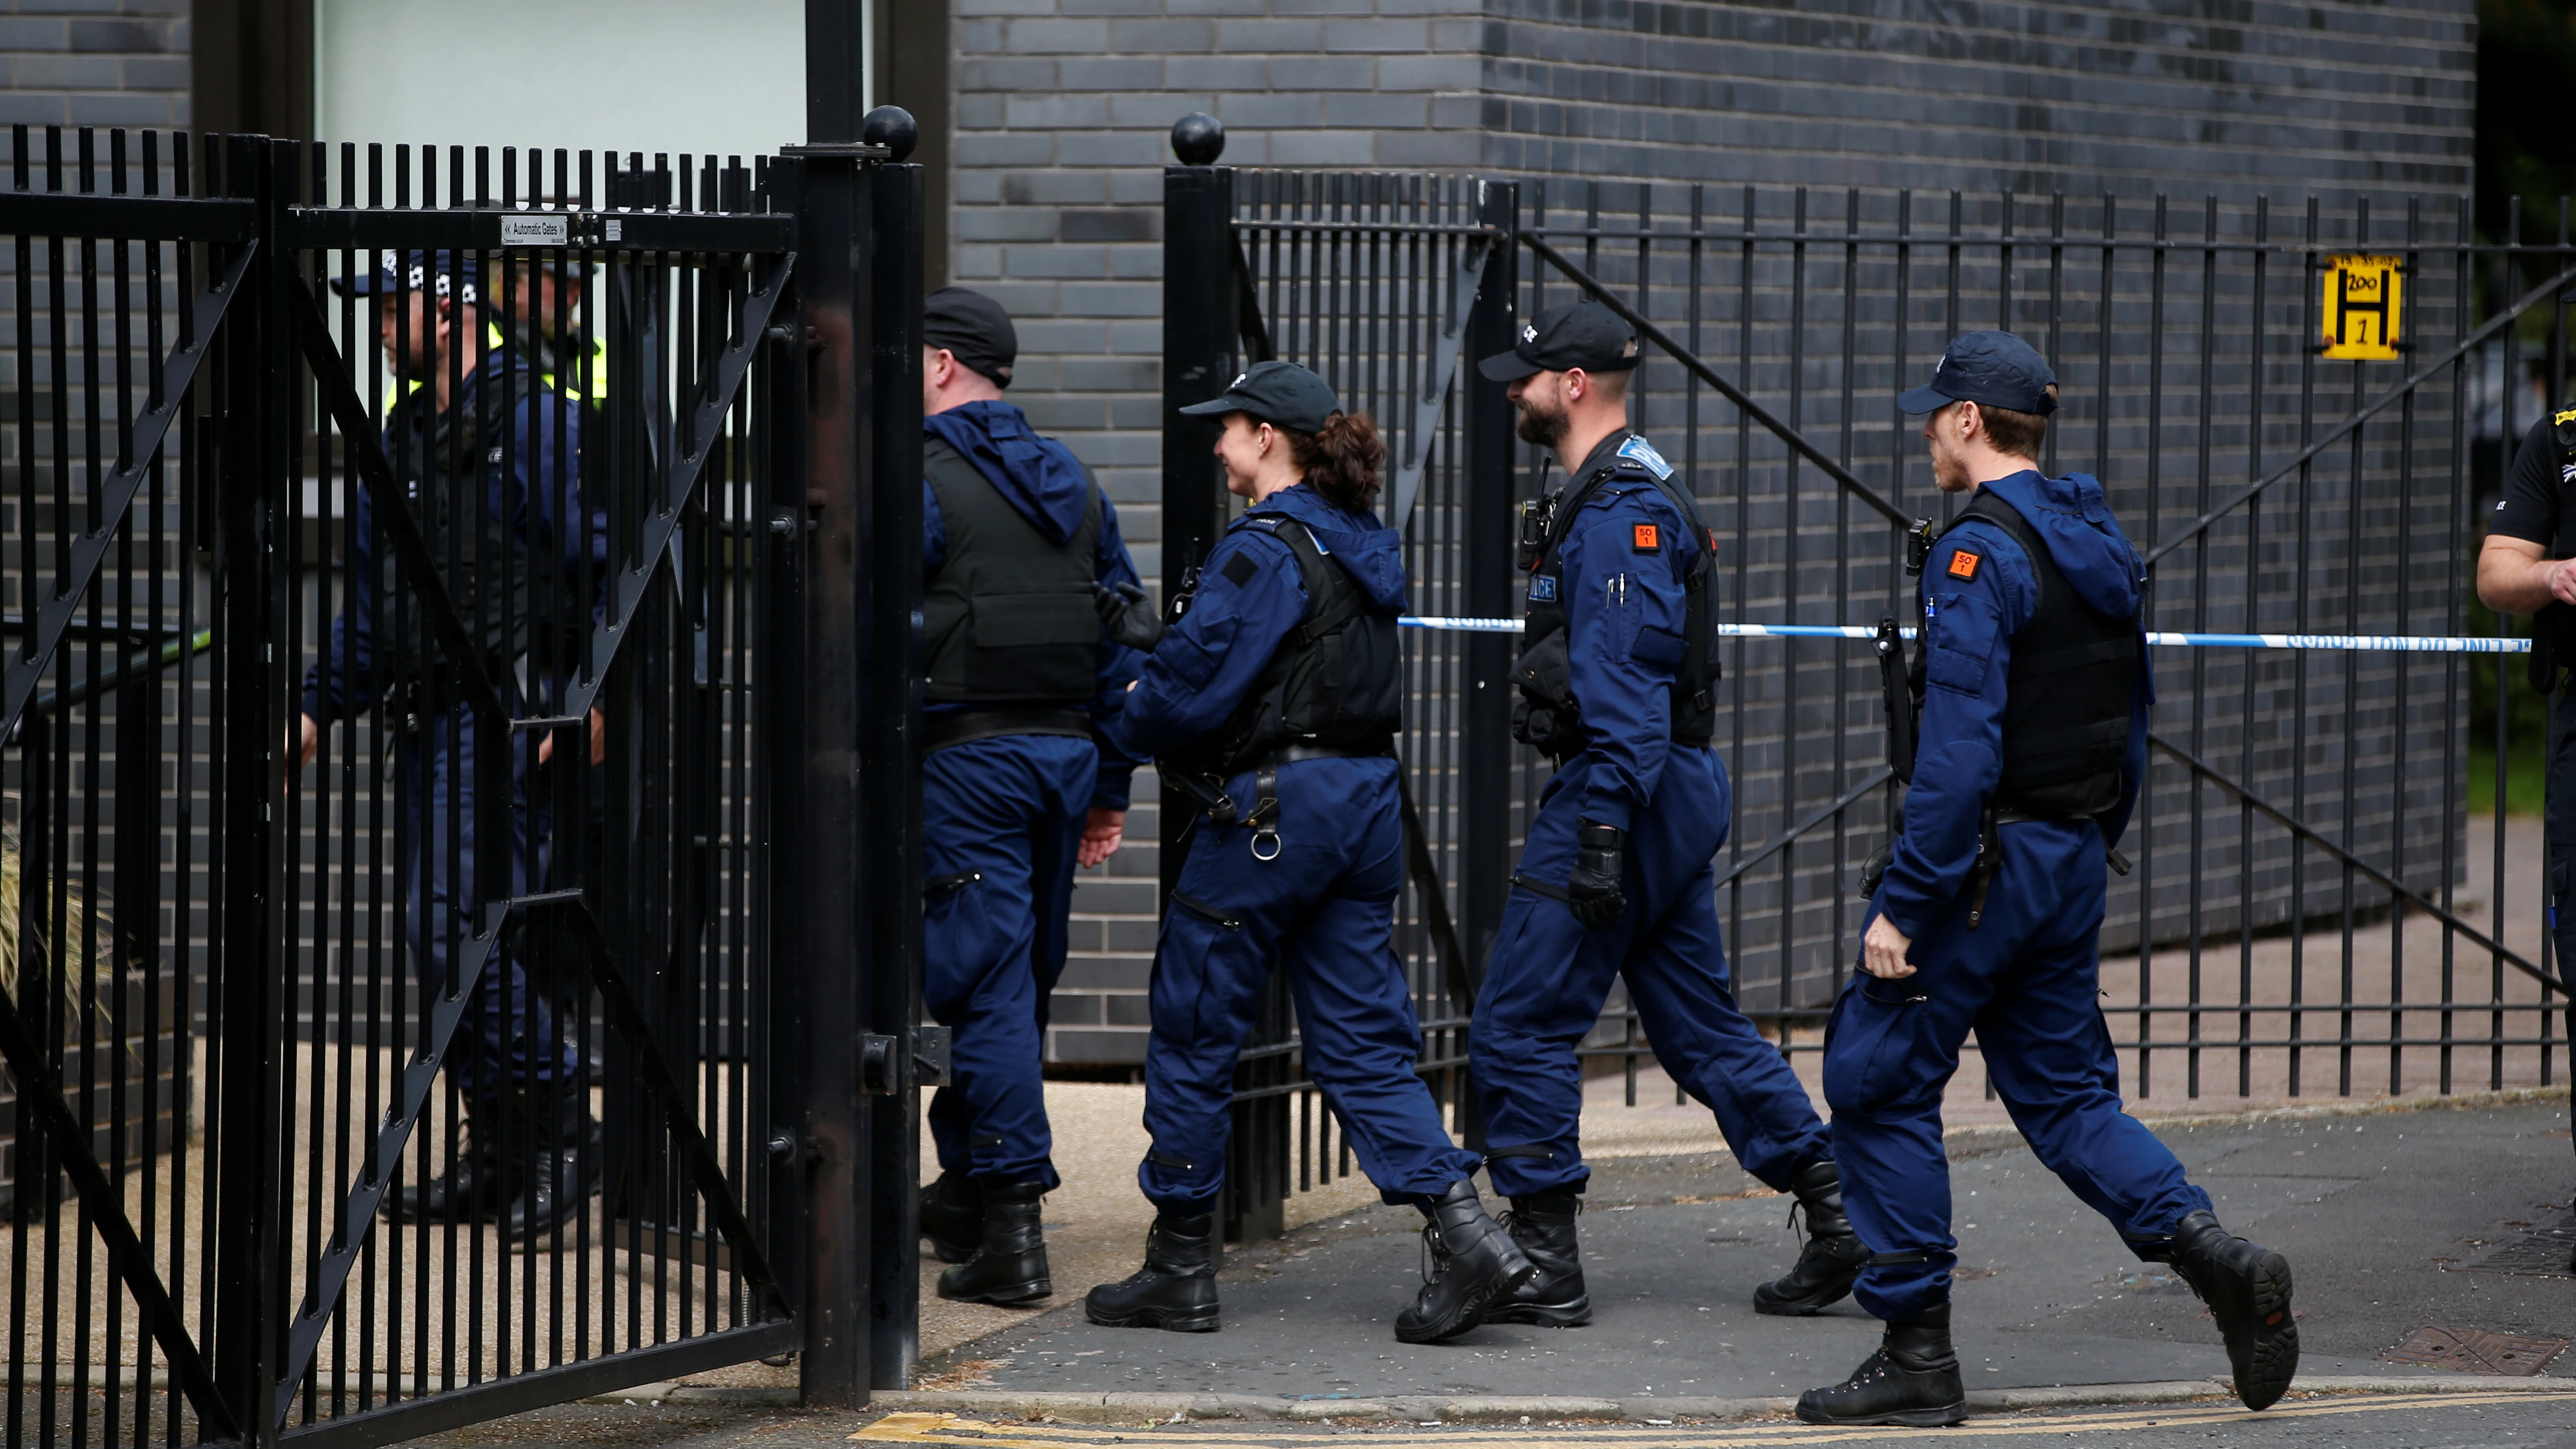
(1963, 565)
(1648, 540)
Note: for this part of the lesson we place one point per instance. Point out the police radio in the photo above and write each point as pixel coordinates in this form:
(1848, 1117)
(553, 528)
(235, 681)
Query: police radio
(1918, 546)
(1537, 517)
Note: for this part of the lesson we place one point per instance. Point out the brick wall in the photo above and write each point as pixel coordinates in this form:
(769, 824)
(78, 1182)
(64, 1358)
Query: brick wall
(1063, 106)
(2211, 94)
(101, 63)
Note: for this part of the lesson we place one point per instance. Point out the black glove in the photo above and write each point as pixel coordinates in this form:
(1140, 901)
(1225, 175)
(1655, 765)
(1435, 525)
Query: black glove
(1128, 617)
(1593, 889)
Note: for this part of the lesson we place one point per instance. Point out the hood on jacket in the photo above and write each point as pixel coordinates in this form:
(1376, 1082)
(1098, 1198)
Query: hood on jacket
(1040, 476)
(2073, 518)
(1367, 550)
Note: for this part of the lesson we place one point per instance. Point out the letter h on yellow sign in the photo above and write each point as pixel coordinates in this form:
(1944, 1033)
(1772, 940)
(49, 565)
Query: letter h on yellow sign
(2364, 298)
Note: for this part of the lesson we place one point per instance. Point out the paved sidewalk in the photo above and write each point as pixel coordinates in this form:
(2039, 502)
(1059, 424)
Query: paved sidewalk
(2377, 1213)
(2380, 1215)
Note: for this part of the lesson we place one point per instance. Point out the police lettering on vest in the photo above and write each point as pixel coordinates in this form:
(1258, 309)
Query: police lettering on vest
(1009, 619)
(1336, 682)
(2068, 695)
(1545, 712)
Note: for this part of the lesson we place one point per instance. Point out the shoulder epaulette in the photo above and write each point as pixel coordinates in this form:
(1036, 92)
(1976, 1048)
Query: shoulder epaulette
(1641, 453)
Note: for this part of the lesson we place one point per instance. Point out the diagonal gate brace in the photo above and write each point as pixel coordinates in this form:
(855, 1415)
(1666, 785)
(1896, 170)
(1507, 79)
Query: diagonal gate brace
(88, 550)
(37, 1088)
(2381, 878)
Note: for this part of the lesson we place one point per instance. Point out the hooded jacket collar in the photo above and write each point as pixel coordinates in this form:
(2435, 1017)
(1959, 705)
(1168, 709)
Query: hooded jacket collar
(1040, 476)
(1367, 550)
(2073, 518)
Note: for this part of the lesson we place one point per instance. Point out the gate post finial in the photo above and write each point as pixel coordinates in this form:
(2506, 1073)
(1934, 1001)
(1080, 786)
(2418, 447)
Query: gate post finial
(1198, 139)
(893, 128)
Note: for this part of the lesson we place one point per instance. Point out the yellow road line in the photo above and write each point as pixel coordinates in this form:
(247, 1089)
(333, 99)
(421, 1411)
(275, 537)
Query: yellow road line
(950, 1429)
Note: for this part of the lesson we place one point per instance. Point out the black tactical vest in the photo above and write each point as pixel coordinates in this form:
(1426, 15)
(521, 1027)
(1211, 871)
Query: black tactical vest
(1546, 714)
(1009, 618)
(1335, 683)
(2069, 693)
(446, 465)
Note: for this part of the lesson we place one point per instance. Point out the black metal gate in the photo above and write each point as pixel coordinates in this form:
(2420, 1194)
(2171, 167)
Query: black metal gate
(2323, 857)
(250, 1004)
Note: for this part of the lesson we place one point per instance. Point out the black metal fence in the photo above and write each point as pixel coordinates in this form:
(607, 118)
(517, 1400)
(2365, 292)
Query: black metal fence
(550, 466)
(2329, 894)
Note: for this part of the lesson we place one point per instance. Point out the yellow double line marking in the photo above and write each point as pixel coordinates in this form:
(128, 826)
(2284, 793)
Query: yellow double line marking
(952, 1429)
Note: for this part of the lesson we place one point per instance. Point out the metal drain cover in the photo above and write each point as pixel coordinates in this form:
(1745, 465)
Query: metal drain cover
(2476, 1351)
(2540, 1252)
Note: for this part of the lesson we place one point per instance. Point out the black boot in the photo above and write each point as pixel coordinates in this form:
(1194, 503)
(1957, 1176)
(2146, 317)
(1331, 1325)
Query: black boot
(1176, 1289)
(952, 1216)
(559, 1168)
(1543, 1227)
(471, 1187)
(1912, 1380)
(1474, 1265)
(1830, 1260)
(1011, 1266)
(2248, 1292)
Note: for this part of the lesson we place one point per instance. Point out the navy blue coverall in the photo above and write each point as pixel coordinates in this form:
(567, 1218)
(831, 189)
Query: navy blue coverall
(508, 1038)
(2026, 980)
(1323, 910)
(1624, 616)
(1011, 810)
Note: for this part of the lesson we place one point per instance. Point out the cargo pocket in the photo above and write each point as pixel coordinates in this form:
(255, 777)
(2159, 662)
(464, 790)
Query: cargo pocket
(960, 943)
(1870, 1041)
(1189, 965)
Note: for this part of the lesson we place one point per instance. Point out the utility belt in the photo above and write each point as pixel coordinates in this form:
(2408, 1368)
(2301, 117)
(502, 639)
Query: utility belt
(965, 726)
(1981, 875)
(1207, 796)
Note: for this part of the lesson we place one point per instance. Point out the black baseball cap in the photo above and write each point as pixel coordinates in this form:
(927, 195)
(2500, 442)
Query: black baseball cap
(447, 273)
(1276, 392)
(1581, 334)
(974, 329)
(1991, 369)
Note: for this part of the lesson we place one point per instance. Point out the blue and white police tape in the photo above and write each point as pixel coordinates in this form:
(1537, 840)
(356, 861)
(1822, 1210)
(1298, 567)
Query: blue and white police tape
(2367, 643)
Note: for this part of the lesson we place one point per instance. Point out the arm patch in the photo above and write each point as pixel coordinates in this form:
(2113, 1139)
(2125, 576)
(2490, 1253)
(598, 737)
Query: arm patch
(1963, 565)
(1239, 570)
(1649, 539)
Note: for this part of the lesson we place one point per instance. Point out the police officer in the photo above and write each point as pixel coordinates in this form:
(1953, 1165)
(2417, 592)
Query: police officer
(544, 319)
(2032, 686)
(1618, 682)
(1271, 708)
(1027, 595)
(2528, 566)
(486, 455)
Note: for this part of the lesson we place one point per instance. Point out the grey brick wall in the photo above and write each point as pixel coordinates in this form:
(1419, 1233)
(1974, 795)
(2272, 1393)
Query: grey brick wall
(1063, 105)
(94, 63)
(2221, 94)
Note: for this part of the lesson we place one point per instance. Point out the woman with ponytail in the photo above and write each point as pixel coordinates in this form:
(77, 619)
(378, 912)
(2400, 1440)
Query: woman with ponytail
(1271, 707)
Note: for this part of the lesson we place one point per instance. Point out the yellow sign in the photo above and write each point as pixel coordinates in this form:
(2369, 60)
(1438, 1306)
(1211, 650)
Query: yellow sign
(2364, 300)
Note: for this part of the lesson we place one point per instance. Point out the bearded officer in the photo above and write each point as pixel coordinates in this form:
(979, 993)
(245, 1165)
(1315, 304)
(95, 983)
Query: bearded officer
(1029, 603)
(1618, 682)
(2032, 688)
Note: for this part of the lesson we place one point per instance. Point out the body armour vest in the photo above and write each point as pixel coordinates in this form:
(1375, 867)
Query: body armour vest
(1335, 683)
(447, 465)
(1009, 618)
(2069, 693)
(1545, 713)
